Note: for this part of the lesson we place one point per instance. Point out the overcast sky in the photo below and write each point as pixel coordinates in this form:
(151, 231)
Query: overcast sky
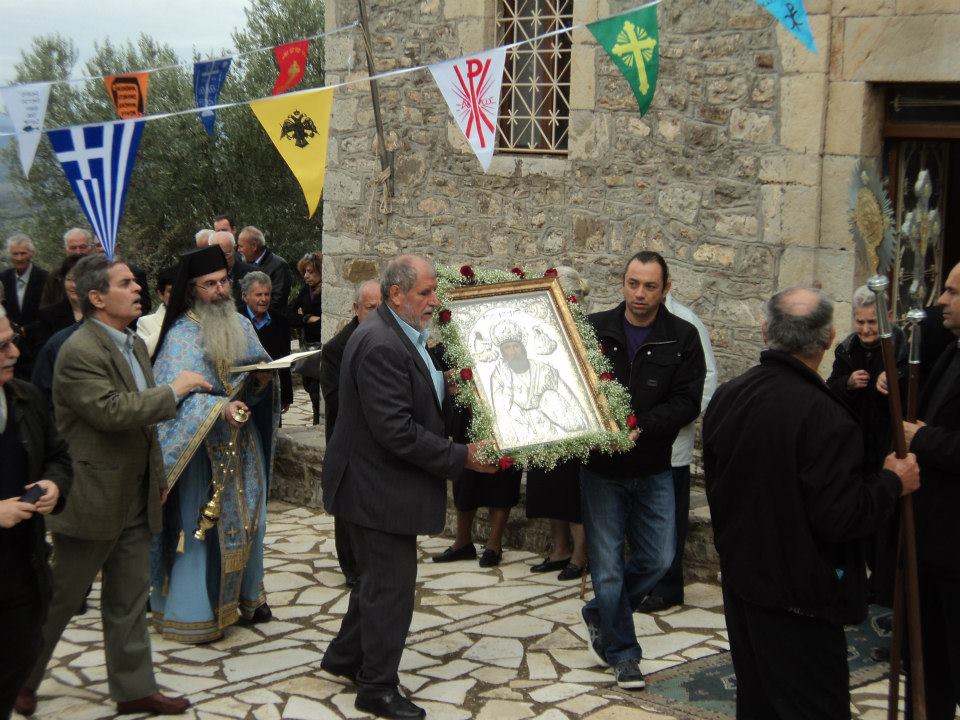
(182, 24)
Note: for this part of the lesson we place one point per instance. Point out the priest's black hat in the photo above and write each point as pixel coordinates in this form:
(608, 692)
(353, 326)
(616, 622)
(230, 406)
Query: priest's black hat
(193, 264)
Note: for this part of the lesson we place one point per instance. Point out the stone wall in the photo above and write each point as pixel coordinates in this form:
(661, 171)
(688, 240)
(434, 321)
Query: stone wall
(738, 173)
(684, 180)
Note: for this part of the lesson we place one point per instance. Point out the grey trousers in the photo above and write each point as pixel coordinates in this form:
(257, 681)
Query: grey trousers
(125, 562)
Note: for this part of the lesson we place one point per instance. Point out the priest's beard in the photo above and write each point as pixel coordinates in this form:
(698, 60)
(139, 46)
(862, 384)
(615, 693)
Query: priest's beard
(223, 337)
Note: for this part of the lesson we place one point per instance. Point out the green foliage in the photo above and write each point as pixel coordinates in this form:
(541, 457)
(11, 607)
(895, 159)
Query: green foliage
(183, 177)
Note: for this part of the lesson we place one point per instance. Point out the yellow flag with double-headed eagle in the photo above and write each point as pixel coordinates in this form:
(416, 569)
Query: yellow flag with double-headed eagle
(298, 126)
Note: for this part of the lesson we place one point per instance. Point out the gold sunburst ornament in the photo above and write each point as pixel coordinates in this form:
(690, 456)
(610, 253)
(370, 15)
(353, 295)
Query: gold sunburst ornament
(871, 218)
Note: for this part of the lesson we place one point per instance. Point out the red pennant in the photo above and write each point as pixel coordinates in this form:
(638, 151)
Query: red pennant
(292, 60)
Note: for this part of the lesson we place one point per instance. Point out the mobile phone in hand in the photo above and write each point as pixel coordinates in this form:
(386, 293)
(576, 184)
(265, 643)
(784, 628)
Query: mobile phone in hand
(33, 494)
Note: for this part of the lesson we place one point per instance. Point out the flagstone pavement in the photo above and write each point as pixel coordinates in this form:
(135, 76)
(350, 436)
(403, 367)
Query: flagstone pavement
(495, 644)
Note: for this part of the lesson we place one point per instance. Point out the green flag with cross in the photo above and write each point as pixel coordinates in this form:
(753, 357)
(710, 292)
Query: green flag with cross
(633, 42)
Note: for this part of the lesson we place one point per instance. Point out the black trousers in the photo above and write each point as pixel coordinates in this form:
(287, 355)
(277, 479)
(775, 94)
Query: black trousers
(341, 539)
(788, 666)
(670, 586)
(374, 629)
(940, 629)
(20, 625)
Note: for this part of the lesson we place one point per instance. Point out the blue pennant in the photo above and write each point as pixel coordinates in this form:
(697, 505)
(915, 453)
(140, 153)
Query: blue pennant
(793, 15)
(208, 77)
(98, 161)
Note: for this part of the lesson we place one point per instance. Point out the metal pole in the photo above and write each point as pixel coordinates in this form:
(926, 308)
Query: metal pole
(385, 157)
(879, 284)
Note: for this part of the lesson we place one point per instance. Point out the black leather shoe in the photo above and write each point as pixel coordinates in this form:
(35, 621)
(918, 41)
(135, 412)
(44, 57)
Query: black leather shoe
(350, 673)
(467, 552)
(656, 603)
(571, 572)
(26, 702)
(388, 704)
(549, 565)
(491, 557)
(261, 615)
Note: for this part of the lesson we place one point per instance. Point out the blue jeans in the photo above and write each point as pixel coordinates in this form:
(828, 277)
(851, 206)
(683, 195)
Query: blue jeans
(640, 510)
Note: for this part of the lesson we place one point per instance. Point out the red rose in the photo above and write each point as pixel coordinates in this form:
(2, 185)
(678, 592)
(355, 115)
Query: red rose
(466, 271)
(606, 376)
(444, 315)
(632, 421)
(518, 272)
(550, 272)
(572, 299)
(504, 463)
(466, 374)
(603, 350)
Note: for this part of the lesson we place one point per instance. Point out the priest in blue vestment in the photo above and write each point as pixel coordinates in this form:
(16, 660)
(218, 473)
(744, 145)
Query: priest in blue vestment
(207, 566)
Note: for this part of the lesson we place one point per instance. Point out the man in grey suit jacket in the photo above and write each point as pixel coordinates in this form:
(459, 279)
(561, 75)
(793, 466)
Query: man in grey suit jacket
(385, 475)
(106, 407)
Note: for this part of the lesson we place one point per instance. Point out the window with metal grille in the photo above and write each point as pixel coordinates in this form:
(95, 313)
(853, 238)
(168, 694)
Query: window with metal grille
(535, 99)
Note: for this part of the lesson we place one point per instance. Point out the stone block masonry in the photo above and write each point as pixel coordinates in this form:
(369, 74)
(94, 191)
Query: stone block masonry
(737, 174)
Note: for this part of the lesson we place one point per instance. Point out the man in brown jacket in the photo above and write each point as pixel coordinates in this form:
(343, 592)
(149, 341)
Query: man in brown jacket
(106, 407)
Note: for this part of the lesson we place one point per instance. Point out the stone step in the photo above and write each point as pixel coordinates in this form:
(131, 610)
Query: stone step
(296, 479)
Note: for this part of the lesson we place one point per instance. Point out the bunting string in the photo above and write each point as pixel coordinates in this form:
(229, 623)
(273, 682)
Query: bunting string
(367, 78)
(186, 65)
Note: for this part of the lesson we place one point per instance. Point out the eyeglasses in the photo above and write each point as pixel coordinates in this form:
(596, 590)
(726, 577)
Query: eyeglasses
(6, 345)
(213, 284)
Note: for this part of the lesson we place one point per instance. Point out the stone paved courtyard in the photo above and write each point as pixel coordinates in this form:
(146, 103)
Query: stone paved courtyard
(497, 644)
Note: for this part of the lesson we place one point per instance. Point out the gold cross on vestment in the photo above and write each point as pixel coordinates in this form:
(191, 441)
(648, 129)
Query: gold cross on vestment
(631, 47)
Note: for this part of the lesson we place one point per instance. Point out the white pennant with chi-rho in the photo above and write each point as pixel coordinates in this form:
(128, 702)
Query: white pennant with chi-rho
(471, 87)
(27, 105)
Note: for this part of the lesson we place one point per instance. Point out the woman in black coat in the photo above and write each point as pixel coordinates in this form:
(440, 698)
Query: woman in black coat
(65, 312)
(304, 314)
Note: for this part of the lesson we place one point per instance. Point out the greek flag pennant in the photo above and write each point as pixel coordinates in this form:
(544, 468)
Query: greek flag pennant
(793, 15)
(471, 87)
(27, 106)
(98, 161)
(208, 77)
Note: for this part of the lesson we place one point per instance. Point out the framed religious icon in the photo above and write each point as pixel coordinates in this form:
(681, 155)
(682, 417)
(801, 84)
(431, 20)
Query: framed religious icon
(521, 353)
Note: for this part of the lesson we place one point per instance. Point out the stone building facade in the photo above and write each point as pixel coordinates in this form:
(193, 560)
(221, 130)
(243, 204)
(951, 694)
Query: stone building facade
(738, 173)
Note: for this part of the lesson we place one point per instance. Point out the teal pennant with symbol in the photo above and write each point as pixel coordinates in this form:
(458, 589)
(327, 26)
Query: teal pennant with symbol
(633, 42)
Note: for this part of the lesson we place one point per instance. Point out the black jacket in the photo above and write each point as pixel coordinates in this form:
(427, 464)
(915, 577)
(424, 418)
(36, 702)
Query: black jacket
(281, 278)
(938, 451)
(25, 318)
(27, 314)
(871, 408)
(789, 500)
(47, 459)
(54, 318)
(665, 383)
(330, 358)
(310, 307)
(275, 338)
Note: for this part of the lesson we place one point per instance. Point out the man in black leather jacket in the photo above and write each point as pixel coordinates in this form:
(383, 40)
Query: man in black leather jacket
(659, 358)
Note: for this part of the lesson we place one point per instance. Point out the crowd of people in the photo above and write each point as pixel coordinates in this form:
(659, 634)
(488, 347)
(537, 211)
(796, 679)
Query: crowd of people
(143, 442)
